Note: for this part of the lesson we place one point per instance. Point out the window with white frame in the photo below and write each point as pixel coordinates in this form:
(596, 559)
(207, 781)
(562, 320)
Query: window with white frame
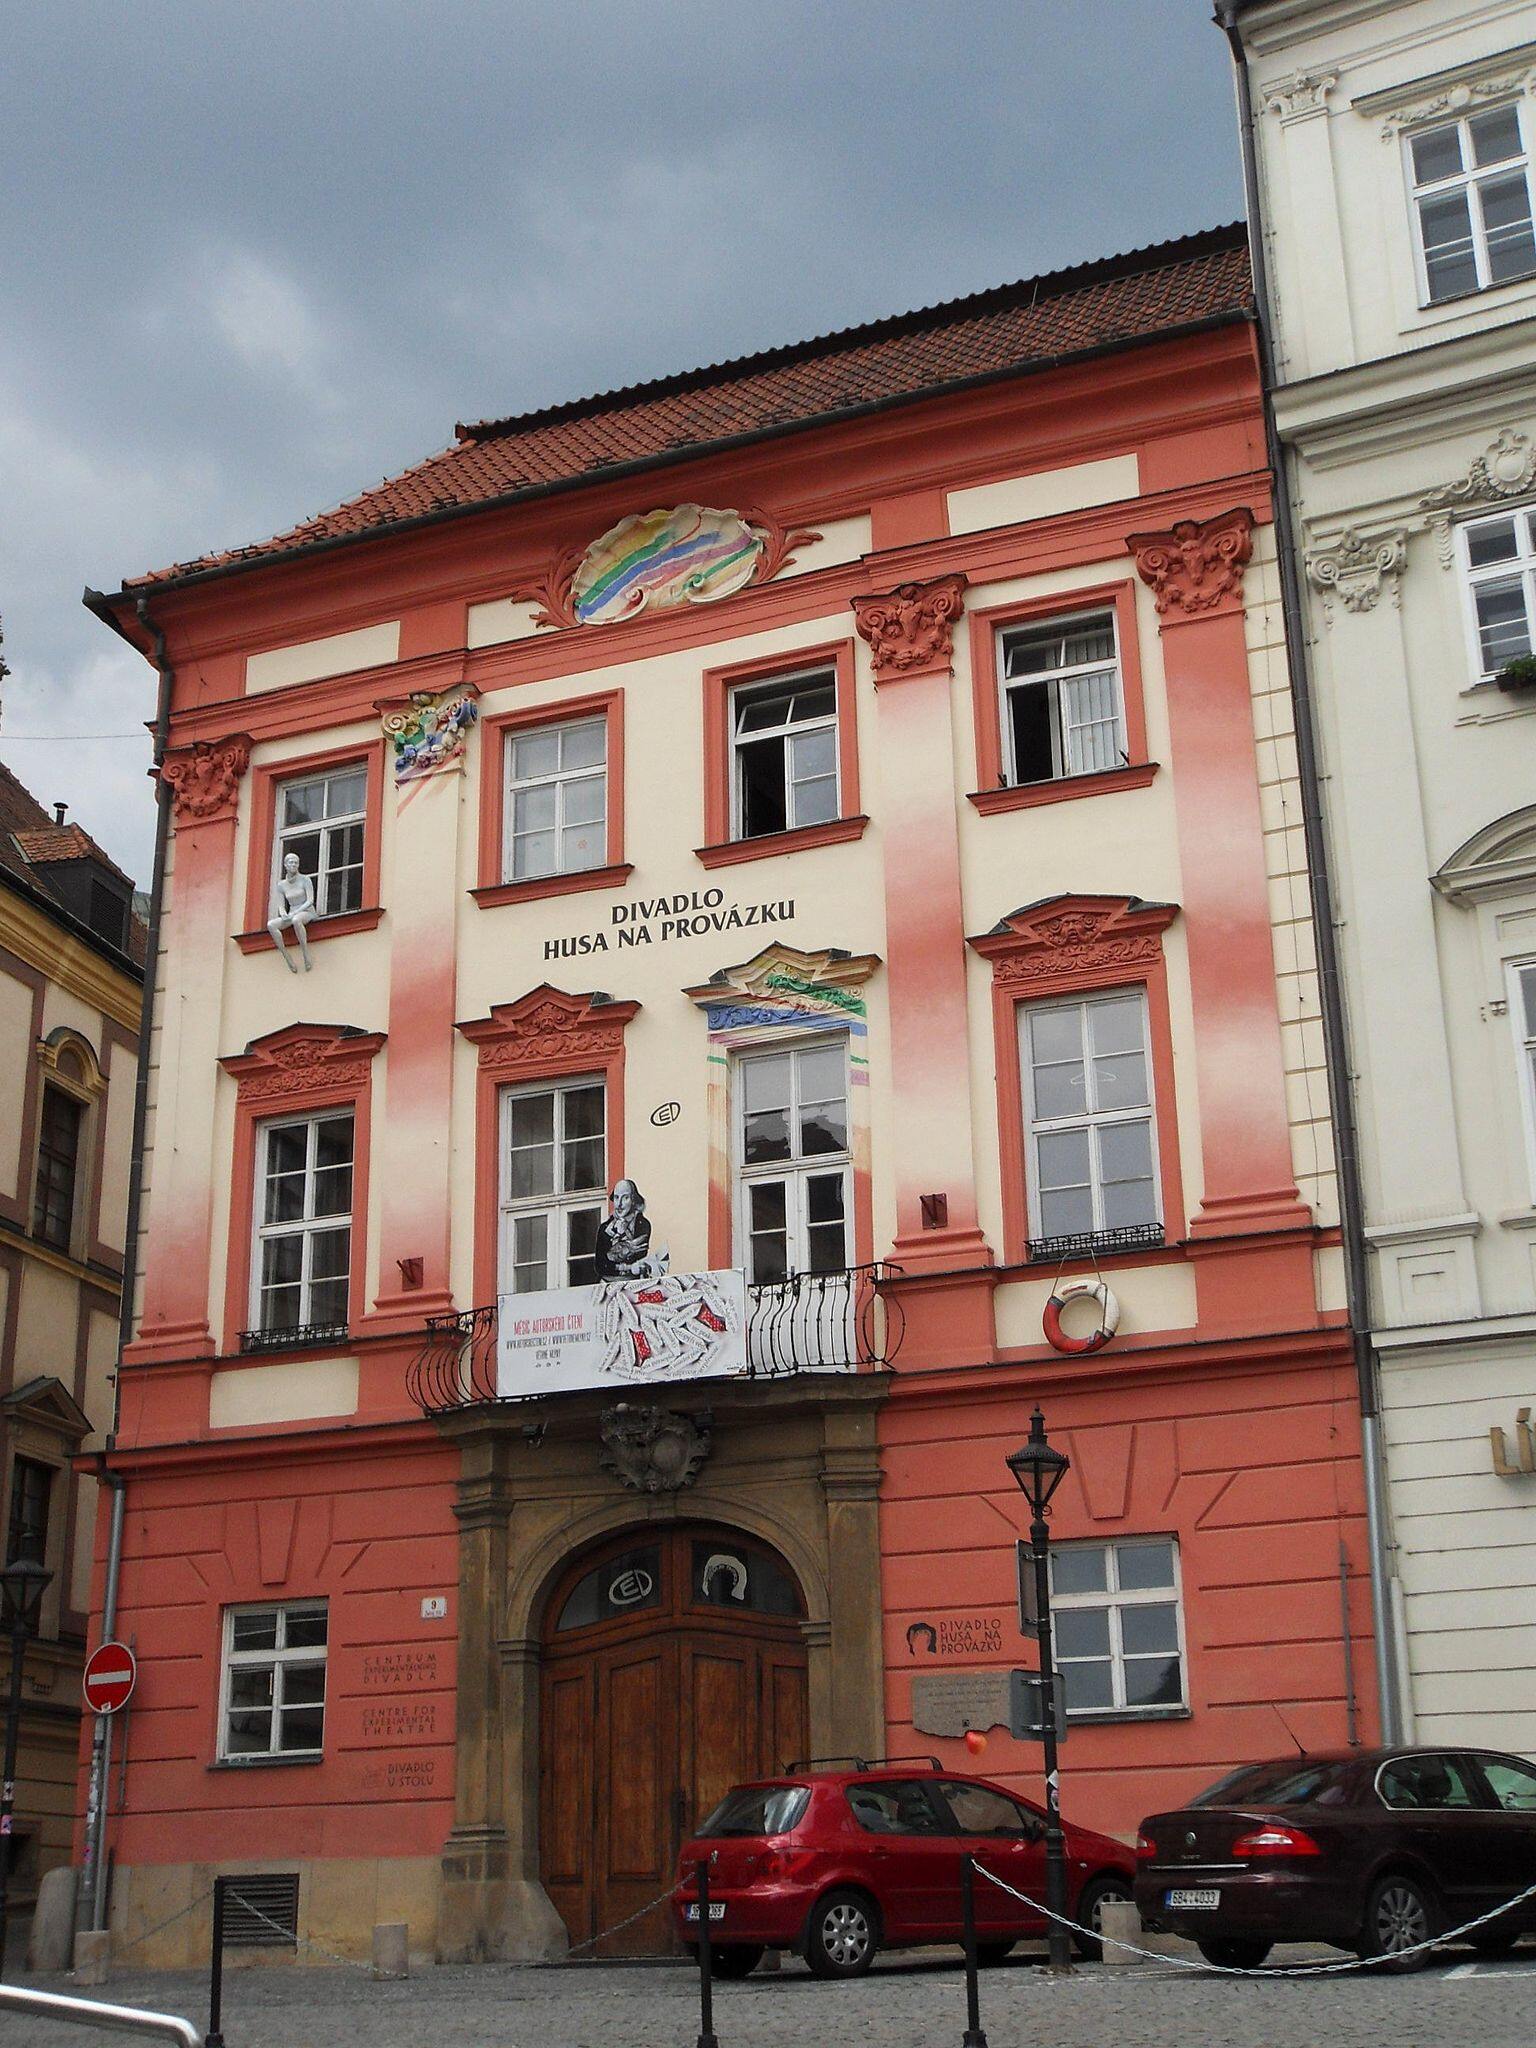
(273, 1690)
(1061, 699)
(322, 818)
(1522, 1011)
(303, 1252)
(557, 800)
(1472, 202)
(554, 1163)
(1092, 1156)
(1499, 560)
(784, 754)
(1118, 1625)
(794, 1160)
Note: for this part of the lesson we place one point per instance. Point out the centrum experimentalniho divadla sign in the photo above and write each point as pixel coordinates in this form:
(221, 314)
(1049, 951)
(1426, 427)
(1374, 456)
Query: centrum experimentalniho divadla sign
(682, 1326)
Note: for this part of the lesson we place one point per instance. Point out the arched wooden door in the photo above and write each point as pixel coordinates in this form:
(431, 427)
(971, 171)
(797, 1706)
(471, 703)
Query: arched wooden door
(674, 1666)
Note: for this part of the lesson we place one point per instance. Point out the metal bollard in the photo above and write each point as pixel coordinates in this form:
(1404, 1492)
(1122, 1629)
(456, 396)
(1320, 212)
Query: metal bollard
(706, 1976)
(214, 2038)
(974, 2037)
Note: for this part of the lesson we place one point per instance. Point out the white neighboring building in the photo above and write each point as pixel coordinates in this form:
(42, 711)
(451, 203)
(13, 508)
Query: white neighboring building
(1393, 145)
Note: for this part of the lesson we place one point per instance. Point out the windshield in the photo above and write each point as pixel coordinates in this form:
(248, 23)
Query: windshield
(759, 1810)
(1297, 1783)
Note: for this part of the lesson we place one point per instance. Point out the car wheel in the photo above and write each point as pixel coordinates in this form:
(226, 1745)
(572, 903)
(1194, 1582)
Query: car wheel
(1400, 1914)
(734, 1959)
(1234, 1953)
(1104, 1891)
(990, 1953)
(842, 1935)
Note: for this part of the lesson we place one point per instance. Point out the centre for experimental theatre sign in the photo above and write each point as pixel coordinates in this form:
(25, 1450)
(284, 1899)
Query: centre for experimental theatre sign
(654, 920)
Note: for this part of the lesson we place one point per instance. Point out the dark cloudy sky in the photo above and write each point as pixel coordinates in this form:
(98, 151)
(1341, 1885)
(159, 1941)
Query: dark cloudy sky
(264, 252)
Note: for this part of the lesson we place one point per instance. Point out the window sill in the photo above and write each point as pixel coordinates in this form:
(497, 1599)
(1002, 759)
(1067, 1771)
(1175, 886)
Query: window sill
(283, 1343)
(1093, 1716)
(337, 927)
(492, 894)
(836, 832)
(267, 1763)
(1024, 796)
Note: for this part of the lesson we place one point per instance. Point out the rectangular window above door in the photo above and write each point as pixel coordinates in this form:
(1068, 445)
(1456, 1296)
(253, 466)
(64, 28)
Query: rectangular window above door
(784, 770)
(794, 1166)
(554, 1164)
(303, 1234)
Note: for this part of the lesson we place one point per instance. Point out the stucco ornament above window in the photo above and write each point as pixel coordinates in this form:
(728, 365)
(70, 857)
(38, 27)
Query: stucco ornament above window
(1505, 469)
(1197, 563)
(1497, 861)
(204, 779)
(655, 561)
(1465, 96)
(911, 629)
(784, 987)
(651, 1450)
(1306, 93)
(1355, 567)
(429, 733)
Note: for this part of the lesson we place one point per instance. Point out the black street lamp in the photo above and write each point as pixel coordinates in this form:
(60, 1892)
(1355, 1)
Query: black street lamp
(22, 1586)
(1039, 1469)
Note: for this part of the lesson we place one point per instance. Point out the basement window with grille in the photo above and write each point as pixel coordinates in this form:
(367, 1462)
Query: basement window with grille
(262, 1912)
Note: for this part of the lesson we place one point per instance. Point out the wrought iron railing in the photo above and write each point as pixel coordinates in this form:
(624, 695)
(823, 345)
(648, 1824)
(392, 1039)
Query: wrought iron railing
(811, 1322)
(295, 1338)
(1089, 1244)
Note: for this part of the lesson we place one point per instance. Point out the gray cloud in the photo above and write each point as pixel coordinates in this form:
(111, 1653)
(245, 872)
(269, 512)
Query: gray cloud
(266, 253)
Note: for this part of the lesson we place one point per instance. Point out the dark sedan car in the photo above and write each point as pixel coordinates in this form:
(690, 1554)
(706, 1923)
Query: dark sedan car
(1373, 1850)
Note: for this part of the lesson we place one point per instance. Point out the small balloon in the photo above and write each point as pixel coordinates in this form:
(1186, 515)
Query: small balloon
(975, 1741)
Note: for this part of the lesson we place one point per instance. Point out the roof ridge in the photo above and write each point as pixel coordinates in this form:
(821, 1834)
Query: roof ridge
(991, 298)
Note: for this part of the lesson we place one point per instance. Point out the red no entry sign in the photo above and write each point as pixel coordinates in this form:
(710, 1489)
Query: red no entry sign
(108, 1679)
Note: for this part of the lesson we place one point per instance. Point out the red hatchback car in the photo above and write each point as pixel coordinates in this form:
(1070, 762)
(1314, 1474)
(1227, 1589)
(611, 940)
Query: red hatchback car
(840, 1864)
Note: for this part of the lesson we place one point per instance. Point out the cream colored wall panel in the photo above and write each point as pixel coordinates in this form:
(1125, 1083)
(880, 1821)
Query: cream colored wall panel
(1044, 494)
(1495, 1650)
(1329, 1278)
(308, 661)
(1476, 1693)
(87, 1492)
(1465, 1568)
(1152, 1299)
(499, 619)
(117, 1158)
(244, 1396)
(100, 1364)
(45, 1325)
(842, 540)
(15, 1055)
(66, 1011)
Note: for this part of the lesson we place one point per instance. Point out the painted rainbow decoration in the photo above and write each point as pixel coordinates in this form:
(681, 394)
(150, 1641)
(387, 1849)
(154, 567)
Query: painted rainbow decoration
(688, 554)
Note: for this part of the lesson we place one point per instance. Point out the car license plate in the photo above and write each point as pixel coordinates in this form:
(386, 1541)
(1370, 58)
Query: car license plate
(716, 1912)
(1194, 1901)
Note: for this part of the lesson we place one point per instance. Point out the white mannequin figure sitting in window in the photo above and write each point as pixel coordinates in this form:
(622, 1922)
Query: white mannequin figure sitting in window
(293, 905)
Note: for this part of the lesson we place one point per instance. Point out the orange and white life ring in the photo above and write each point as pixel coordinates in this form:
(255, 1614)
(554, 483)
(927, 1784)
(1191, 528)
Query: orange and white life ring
(1081, 1290)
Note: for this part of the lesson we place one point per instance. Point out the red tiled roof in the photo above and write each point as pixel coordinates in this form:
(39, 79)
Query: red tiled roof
(64, 842)
(31, 841)
(1007, 331)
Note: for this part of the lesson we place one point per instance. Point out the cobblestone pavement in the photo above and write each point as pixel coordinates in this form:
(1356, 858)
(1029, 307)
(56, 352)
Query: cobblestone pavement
(907, 2002)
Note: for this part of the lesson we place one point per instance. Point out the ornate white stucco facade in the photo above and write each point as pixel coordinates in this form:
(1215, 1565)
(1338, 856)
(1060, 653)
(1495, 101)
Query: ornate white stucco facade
(1406, 403)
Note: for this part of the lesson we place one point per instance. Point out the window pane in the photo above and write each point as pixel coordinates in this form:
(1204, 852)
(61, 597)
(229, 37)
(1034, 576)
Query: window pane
(1490, 541)
(980, 1811)
(1506, 206)
(1062, 1159)
(328, 1303)
(816, 802)
(1060, 1090)
(1528, 999)
(1152, 1682)
(333, 1141)
(535, 753)
(282, 1308)
(1495, 135)
(304, 1628)
(1082, 1632)
(303, 802)
(1056, 1034)
(282, 1260)
(1078, 1570)
(532, 1118)
(1142, 1566)
(584, 799)
(1449, 262)
(303, 1685)
(813, 754)
(254, 1631)
(307, 846)
(534, 855)
(762, 710)
(823, 1128)
(285, 1198)
(530, 1241)
(583, 1111)
(287, 1148)
(533, 810)
(580, 1246)
(1066, 1212)
(1031, 728)
(1120, 1082)
(329, 1254)
(333, 1191)
(768, 1233)
(1148, 1631)
(765, 1083)
(250, 1686)
(824, 1198)
(1503, 629)
(1513, 1785)
(530, 1171)
(813, 700)
(765, 1136)
(761, 770)
(1436, 154)
(582, 847)
(584, 745)
(250, 1734)
(583, 1164)
(1088, 1685)
(302, 1729)
(1115, 1026)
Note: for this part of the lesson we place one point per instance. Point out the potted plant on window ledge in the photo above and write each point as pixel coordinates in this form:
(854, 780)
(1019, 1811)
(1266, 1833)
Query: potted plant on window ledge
(1519, 674)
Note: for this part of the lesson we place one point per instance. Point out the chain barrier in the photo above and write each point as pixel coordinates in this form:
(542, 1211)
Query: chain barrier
(298, 1940)
(1275, 1970)
(149, 1932)
(593, 1939)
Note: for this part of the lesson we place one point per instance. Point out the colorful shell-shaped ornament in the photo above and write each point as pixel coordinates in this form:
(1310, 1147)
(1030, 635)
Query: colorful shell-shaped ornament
(689, 554)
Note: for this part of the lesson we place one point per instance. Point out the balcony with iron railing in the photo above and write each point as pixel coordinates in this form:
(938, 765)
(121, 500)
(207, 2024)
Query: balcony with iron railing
(846, 1321)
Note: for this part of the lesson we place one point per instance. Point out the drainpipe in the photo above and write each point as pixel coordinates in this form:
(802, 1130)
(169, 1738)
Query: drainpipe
(93, 1876)
(1335, 1031)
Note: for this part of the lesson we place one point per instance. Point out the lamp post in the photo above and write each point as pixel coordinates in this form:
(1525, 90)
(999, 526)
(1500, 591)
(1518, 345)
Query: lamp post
(1039, 1469)
(22, 1586)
